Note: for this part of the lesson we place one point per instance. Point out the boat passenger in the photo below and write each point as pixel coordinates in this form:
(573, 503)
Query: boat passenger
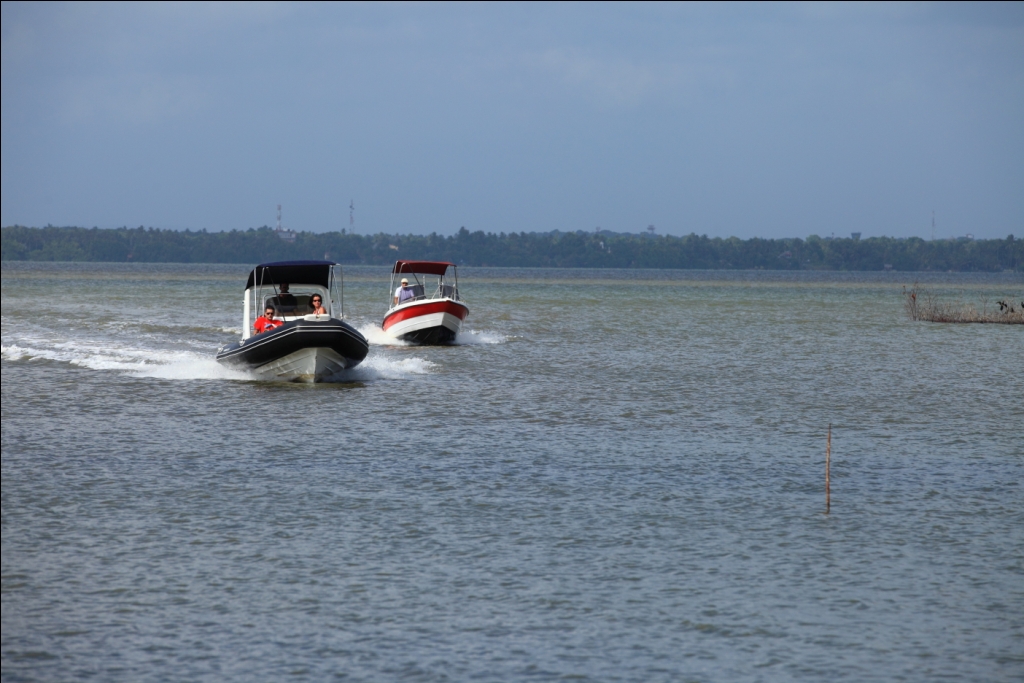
(266, 322)
(317, 303)
(284, 298)
(404, 293)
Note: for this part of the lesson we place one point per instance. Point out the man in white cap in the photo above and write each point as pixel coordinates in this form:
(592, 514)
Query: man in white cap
(403, 293)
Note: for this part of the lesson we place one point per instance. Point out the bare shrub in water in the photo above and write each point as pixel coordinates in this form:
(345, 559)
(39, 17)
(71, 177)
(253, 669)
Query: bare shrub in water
(922, 304)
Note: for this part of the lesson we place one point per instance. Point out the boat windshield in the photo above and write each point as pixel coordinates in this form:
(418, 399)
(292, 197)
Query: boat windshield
(296, 302)
(423, 287)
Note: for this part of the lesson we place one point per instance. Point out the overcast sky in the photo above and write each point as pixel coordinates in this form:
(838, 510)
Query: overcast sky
(745, 120)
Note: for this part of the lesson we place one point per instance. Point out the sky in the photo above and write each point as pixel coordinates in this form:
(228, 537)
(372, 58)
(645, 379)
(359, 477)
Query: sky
(746, 120)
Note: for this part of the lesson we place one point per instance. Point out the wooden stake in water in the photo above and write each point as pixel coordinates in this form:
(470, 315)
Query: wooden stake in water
(828, 468)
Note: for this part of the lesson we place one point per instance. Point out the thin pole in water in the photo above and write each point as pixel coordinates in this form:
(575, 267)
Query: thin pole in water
(828, 468)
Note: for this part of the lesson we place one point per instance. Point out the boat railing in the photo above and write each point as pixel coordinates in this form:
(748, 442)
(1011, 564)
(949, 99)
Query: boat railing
(446, 292)
(442, 291)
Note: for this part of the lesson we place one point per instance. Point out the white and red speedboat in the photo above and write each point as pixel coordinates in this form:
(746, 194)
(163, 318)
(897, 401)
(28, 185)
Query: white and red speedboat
(422, 311)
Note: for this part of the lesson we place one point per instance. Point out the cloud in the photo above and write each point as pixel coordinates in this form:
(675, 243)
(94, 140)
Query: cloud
(619, 81)
(137, 99)
(667, 108)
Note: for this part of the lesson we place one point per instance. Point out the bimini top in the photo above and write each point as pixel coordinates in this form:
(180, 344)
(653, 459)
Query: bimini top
(292, 272)
(428, 267)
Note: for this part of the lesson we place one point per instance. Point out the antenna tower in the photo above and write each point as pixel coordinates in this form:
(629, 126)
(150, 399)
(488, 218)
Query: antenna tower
(279, 218)
(933, 225)
(351, 213)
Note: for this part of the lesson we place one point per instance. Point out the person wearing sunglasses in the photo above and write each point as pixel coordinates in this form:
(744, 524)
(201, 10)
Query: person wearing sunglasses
(317, 303)
(266, 322)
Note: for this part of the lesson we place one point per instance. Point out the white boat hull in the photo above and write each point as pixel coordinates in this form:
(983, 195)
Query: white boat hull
(304, 365)
(432, 321)
(426, 322)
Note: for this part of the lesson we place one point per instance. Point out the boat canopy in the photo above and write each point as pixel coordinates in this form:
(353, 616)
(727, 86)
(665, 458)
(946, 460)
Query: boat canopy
(428, 267)
(292, 272)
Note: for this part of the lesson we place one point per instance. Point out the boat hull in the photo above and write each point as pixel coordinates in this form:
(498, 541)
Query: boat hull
(299, 351)
(426, 322)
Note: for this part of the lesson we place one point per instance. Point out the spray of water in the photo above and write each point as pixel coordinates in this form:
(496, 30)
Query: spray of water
(380, 367)
(376, 335)
(177, 364)
(163, 364)
(473, 338)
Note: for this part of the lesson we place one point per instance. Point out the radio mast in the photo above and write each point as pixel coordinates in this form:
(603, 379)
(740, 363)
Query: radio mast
(351, 214)
(933, 225)
(279, 218)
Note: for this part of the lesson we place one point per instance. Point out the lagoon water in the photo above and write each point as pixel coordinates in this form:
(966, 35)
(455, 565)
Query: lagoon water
(615, 476)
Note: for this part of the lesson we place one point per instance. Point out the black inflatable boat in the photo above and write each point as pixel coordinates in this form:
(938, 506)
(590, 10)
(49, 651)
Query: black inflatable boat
(305, 345)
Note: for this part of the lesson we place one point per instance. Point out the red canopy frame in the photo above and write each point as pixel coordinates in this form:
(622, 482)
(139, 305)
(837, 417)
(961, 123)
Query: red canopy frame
(428, 267)
(416, 268)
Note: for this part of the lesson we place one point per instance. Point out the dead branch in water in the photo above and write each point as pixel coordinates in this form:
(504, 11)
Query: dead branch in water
(922, 304)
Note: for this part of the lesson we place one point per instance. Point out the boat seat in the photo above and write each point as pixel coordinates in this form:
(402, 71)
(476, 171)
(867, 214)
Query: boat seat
(417, 294)
(301, 306)
(447, 291)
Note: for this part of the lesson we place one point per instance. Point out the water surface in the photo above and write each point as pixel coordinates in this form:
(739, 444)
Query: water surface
(616, 475)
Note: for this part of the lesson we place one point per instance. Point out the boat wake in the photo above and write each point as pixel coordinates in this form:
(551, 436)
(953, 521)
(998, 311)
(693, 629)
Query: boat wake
(176, 364)
(378, 337)
(381, 367)
(161, 364)
(474, 338)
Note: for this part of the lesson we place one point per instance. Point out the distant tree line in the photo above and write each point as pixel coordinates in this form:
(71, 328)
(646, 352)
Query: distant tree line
(555, 249)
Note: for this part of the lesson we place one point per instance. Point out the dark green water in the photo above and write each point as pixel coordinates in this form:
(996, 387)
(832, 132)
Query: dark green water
(617, 476)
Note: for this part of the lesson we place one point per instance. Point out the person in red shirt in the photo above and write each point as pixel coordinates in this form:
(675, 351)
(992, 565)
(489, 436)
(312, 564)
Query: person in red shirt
(266, 322)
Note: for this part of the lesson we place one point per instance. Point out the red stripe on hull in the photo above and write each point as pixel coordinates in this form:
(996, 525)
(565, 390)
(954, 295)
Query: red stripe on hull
(425, 308)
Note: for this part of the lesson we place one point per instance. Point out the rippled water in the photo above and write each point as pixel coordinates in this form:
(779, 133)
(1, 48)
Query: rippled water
(617, 475)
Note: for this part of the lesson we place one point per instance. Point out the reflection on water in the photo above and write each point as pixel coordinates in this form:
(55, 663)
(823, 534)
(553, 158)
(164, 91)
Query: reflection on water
(615, 475)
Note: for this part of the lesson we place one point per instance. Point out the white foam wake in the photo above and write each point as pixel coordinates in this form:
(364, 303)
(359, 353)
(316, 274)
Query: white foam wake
(376, 335)
(381, 367)
(473, 337)
(188, 365)
(163, 364)
(195, 368)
